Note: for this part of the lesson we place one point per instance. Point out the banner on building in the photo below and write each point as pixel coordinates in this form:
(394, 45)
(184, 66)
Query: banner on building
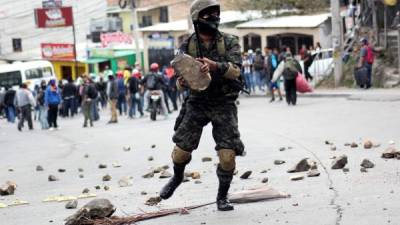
(54, 17)
(58, 52)
(109, 39)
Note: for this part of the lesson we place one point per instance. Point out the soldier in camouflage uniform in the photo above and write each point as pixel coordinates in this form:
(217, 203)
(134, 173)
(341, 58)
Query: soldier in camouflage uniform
(216, 104)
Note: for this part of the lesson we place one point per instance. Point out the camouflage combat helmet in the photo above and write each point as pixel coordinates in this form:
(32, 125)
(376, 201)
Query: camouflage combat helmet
(199, 5)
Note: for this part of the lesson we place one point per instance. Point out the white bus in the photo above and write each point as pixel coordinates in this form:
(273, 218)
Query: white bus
(32, 73)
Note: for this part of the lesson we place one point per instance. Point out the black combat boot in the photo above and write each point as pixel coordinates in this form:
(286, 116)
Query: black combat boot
(225, 179)
(168, 190)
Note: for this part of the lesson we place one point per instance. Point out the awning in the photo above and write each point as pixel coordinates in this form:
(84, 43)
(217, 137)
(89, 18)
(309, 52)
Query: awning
(94, 61)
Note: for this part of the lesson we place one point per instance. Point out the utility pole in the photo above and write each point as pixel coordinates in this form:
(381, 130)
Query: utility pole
(135, 28)
(375, 21)
(337, 41)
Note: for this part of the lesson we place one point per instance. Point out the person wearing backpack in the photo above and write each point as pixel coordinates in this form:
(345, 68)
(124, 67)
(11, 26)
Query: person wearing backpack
(259, 69)
(42, 107)
(288, 68)
(367, 58)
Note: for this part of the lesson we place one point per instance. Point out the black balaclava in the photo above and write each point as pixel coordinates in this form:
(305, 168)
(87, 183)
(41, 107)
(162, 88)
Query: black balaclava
(210, 24)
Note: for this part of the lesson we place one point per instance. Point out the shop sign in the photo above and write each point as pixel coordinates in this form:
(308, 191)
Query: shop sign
(109, 39)
(101, 53)
(161, 43)
(54, 17)
(63, 52)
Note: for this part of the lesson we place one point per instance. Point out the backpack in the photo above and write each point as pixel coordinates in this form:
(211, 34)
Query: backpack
(290, 71)
(259, 62)
(370, 55)
(151, 82)
(92, 92)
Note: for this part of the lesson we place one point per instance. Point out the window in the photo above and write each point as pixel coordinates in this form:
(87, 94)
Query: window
(47, 72)
(17, 44)
(12, 78)
(38, 73)
(146, 21)
(164, 14)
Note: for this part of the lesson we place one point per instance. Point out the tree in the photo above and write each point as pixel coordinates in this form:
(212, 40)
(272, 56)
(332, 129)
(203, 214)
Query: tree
(276, 7)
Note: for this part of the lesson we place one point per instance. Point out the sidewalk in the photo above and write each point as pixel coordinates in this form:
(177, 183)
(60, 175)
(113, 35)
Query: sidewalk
(387, 95)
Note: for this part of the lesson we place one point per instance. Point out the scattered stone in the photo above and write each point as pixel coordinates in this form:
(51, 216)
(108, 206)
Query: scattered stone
(246, 175)
(106, 188)
(328, 142)
(366, 163)
(39, 168)
(126, 148)
(346, 170)
(185, 179)
(116, 165)
(151, 158)
(279, 162)
(86, 156)
(10, 170)
(333, 148)
(125, 182)
(195, 175)
(235, 172)
(354, 145)
(290, 147)
(206, 159)
(95, 209)
(313, 173)
(297, 177)
(52, 178)
(377, 145)
(198, 182)
(165, 167)
(165, 174)
(85, 191)
(8, 189)
(158, 170)
(368, 144)
(148, 175)
(295, 204)
(71, 204)
(81, 176)
(102, 166)
(302, 166)
(188, 174)
(347, 144)
(153, 146)
(339, 163)
(363, 170)
(97, 187)
(390, 153)
(80, 170)
(143, 193)
(61, 170)
(107, 177)
(264, 171)
(153, 201)
(264, 180)
(282, 149)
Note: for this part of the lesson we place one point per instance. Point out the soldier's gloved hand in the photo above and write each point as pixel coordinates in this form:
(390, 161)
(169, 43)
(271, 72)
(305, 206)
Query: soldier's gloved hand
(212, 66)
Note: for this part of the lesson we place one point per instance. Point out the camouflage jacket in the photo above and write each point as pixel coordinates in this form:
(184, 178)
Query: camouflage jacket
(220, 88)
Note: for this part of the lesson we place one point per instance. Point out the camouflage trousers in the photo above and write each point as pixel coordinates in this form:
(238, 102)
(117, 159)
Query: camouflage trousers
(195, 115)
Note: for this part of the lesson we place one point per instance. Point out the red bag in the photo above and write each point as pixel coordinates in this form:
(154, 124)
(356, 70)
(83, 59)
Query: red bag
(302, 85)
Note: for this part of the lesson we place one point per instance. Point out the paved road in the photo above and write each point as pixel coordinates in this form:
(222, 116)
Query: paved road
(333, 198)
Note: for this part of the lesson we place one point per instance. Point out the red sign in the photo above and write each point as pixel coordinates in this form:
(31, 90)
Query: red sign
(62, 52)
(54, 17)
(108, 39)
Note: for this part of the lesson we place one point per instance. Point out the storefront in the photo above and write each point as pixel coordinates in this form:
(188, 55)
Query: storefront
(67, 69)
(115, 59)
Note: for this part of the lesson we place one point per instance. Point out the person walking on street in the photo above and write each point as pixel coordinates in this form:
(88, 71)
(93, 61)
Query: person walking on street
(215, 105)
(259, 69)
(112, 93)
(2, 95)
(173, 91)
(122, 104)
(25, 101)
(289, 69)
(9, 103)
(88, 100)
(272, 64)
(367, 57)
(133, 87)
(68, 94)
(52, 102)
(40, 102)
(102, 88)
(308, 59)
(247, 73)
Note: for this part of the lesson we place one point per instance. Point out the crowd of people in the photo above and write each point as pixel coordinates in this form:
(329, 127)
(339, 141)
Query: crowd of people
(258, 69)
(125, 93)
